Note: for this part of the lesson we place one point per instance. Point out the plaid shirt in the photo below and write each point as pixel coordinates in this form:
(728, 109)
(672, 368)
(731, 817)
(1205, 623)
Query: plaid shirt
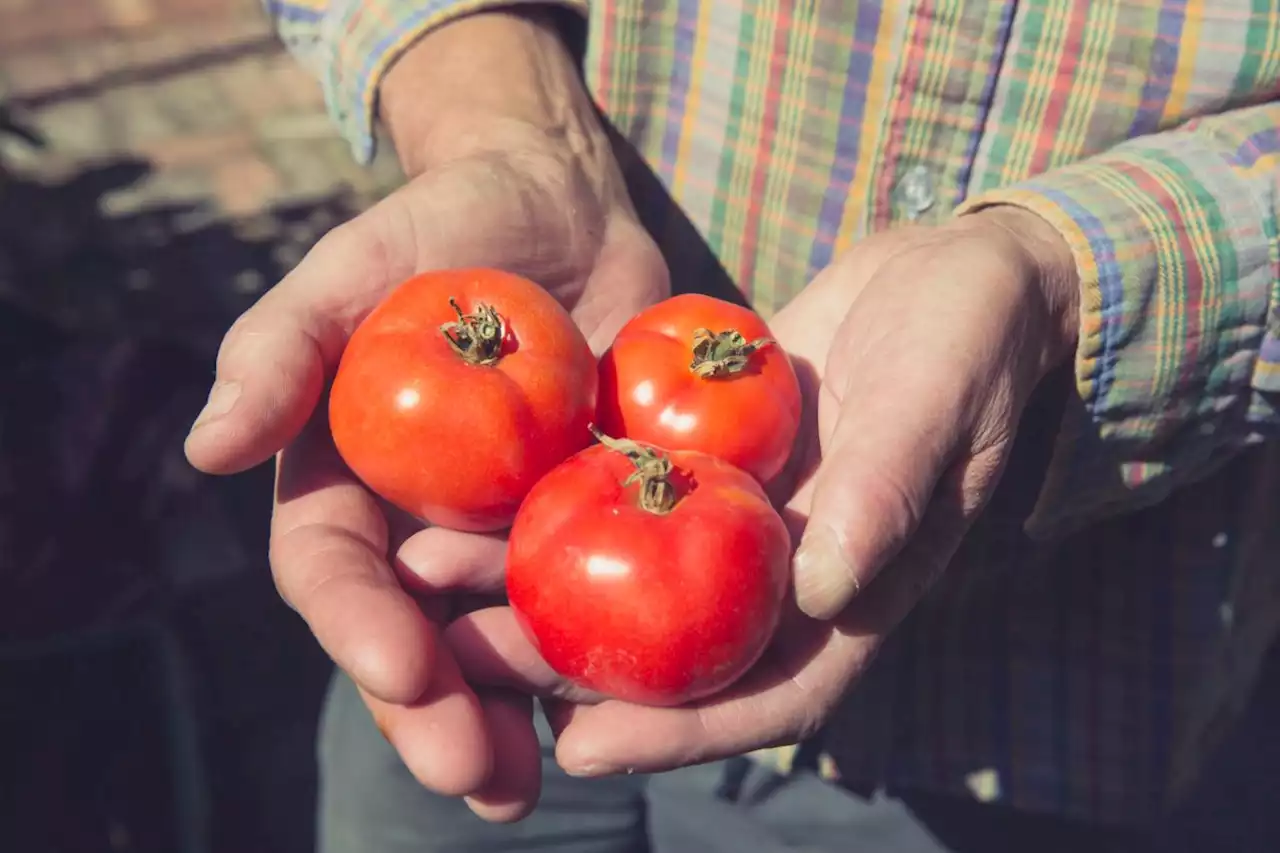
(1103, 624)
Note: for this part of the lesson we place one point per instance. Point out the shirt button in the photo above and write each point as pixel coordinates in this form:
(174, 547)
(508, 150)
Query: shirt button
(916, 192)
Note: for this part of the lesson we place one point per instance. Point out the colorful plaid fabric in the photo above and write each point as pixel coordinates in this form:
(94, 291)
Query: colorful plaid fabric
(1085, 660)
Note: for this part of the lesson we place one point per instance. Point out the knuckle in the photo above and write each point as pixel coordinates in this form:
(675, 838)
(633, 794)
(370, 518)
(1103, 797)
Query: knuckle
(890, 504)
(282, 557)
(816, 702)
(808, 723)
(237, 337)
(353, 236)
(306, 559)
(386, 240)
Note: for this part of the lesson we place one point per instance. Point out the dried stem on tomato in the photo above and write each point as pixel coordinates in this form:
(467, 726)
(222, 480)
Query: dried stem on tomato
(658, 494)
(477, 338)
(722, 353)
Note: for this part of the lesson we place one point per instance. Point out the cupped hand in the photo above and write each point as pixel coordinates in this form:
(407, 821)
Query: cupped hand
(546, 203)
(919, 348)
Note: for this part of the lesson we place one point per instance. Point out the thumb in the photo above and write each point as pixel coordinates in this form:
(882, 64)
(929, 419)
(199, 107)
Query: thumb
(870, 493)
(273, 362)
(629, 275)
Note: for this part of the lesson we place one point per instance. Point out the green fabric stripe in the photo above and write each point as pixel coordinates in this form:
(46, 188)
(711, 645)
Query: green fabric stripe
(1216, 253)
(1258, 43)
(772, 275)
(729, 160)
(1090, 75)
(1037, 66)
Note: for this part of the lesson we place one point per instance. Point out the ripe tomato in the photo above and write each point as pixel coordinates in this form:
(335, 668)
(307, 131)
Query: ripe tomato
(458, 392)
(698, 373)
(650, 577)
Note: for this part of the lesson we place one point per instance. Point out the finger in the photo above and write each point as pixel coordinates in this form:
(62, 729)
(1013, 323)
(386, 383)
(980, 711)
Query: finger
(792, 489)
(516, 778)
(441, 736)
(878, 471)
(908, 576)
(629, 275)
(784, 699)
(492, 649)
(439, 560)
(273, 362)
(328, 541)
(803, 676)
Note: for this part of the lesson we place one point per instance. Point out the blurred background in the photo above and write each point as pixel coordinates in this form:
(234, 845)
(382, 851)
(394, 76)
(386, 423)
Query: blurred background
(162, 163)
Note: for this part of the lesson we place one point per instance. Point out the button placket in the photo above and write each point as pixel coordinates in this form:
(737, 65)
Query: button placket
(916, 192)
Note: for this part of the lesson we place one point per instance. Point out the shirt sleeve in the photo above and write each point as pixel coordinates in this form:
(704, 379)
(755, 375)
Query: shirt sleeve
(348, 45)
(1177, 367)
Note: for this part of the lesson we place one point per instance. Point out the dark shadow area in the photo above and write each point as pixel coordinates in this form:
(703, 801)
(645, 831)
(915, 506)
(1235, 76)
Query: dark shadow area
(157, 697)
(1233, 805)
(694, 267)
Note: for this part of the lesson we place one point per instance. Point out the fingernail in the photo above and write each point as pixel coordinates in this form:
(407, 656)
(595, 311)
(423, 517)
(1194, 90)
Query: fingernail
(222, 399)
(584, 771)
(824, 579)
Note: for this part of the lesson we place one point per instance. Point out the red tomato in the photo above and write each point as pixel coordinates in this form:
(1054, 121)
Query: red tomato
(458, 392)
(653, 578)
(698, 373)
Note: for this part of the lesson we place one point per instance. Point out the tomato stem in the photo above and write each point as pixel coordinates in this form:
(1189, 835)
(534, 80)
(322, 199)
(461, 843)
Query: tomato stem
(477, 338)
(653, 472)
(722, 353)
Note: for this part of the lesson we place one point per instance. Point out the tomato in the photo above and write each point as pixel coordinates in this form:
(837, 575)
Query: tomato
(698, 373)
(650, 577)
(458, 392)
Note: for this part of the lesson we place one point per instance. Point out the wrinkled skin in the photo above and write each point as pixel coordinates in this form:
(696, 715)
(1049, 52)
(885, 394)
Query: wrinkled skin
(331, 540)
(883, 491)
(954, 357)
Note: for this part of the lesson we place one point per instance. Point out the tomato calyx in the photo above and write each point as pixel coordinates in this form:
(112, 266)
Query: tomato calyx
(722, 353)
(654, 472)
(476, 338)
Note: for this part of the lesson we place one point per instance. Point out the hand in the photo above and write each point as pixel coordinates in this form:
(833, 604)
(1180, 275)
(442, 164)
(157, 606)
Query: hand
(922, 346)
(511, 171)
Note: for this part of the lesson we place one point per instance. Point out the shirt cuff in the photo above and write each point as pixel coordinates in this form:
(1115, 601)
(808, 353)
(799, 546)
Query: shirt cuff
(350, 44)
(1178, 360)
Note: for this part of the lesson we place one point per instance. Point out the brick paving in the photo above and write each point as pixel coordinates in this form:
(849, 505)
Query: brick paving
(218, 120)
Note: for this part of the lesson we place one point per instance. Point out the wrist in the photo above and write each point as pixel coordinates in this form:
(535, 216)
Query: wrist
(486, 82)
(1048, 265)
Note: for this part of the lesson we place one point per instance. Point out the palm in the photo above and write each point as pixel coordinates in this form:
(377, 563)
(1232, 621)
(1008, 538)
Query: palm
(894, 348)
(543, 218)
(493, 649)
(555, 220)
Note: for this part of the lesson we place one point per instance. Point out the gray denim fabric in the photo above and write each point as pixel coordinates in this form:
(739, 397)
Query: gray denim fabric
(369, 803)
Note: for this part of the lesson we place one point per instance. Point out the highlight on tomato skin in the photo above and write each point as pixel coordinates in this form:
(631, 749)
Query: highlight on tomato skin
(652, 577)
(698, 373)
(459, 392)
